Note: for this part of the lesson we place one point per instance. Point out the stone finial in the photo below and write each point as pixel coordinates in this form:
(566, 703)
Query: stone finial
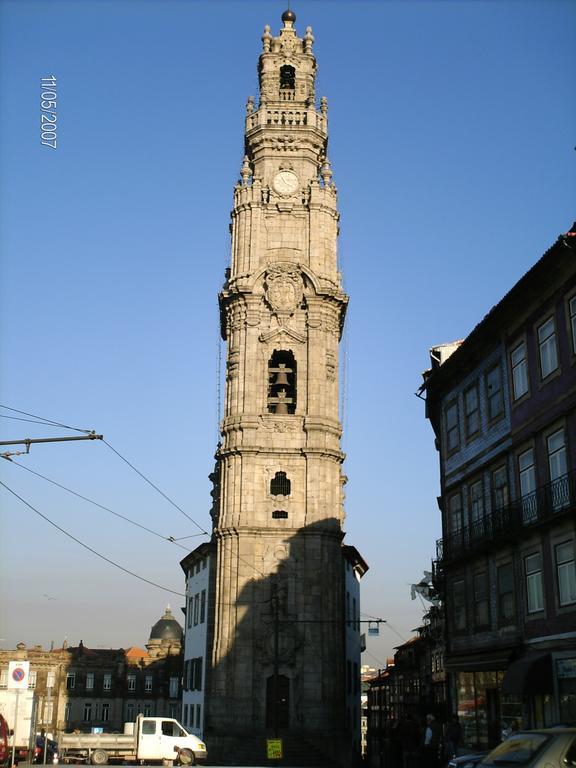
(266, 39)
(308, 40)
(324, 105)
(250, 105)
(326, 173)
(245, 171)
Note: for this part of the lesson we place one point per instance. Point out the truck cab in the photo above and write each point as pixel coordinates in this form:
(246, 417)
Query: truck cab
(165, 739)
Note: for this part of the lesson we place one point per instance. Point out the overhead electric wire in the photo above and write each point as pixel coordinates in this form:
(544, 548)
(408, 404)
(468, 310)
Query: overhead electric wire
(30, 421)
(168, 499)
(94, 552)
(387, 623)
(171, 539)
(203, 531)
(368, 653)
(47, 422)
(240, 558)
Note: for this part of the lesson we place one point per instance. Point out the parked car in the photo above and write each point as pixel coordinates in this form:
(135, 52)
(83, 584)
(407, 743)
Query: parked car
(467, 761)
(543, 748)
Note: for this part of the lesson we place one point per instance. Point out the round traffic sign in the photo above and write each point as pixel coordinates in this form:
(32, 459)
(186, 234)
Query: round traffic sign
(18, 674)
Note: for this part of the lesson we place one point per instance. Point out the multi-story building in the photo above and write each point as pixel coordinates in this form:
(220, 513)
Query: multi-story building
(197, 569)
(276, 657)
(354, 569)
(84, 688)
(502, 406)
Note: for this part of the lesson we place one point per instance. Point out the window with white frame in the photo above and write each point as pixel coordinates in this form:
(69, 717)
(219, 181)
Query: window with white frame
(471, 411)
(89, 681)
(505, 591)
(189, 611)
(107, 681)
(48, 711)
(519, 370)
(481, 600)
(197, 665)
(547, 347)
(527, 475)
(105, 713)
(131, 680)
(455, 512)
(459, 605)
(203, 606)
(87, 712)
(534, 583)
(500, 492)
(32, 677)
(147, 710)
(50, 679)
(70, 681)
(572, 310)
(494, 392)
(558, 467)
(566, 573)
(130, 713)
(4, 678)
(148, 683)
(452, 428)
(476, 501)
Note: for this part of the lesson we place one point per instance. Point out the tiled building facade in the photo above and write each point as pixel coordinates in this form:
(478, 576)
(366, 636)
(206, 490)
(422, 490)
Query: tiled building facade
(502, 405)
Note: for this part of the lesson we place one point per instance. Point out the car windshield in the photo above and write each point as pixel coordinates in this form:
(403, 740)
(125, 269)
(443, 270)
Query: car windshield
(516, 750)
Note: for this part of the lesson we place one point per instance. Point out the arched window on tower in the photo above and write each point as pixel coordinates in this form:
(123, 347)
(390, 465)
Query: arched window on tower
(282, 383)
(280, 485)
(287, 77)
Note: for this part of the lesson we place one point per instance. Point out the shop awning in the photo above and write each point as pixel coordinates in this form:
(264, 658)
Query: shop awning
(529, 674)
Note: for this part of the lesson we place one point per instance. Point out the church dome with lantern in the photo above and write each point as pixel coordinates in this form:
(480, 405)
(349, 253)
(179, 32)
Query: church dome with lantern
(165, 636)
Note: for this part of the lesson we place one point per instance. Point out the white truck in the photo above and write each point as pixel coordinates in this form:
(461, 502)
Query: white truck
(149, 739)
(18, 709)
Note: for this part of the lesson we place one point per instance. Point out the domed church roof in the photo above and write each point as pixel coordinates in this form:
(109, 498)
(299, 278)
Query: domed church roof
(167, 628)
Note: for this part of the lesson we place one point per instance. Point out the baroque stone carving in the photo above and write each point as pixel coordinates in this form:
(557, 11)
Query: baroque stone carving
(330, 366)
(276, 425)
(289, 643)
(284, 287)
(286, 144)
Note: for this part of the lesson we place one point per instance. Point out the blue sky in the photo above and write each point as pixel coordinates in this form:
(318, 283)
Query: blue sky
(452, 144)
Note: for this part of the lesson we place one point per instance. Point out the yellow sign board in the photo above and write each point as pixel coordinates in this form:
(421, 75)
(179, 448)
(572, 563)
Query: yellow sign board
(274, 749)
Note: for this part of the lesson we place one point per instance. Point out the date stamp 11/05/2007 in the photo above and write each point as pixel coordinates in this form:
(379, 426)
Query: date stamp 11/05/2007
(48, 115)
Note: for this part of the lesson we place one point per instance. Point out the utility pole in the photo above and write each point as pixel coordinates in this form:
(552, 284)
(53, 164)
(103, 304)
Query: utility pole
(276, 611)
(27, 441)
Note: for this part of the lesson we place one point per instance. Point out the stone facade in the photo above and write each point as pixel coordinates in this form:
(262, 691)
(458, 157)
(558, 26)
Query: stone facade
(76, 687)
(277, 616)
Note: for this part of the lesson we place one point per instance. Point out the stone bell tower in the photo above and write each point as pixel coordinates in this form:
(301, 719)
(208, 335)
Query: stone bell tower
(275, 658)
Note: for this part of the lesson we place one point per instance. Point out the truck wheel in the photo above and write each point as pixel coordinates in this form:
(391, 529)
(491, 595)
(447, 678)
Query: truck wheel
(186, 757)
(99, 757)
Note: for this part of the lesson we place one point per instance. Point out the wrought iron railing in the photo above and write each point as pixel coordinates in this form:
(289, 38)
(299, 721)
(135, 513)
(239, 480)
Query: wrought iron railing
(546, 502)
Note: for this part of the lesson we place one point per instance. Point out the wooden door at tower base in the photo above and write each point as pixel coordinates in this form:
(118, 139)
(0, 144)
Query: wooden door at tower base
(278, 702)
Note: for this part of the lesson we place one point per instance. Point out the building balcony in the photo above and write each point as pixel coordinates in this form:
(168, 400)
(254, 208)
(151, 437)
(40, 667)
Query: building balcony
(505, 524)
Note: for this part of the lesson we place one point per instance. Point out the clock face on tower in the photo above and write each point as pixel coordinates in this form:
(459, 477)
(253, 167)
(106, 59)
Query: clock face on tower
(285, 182)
